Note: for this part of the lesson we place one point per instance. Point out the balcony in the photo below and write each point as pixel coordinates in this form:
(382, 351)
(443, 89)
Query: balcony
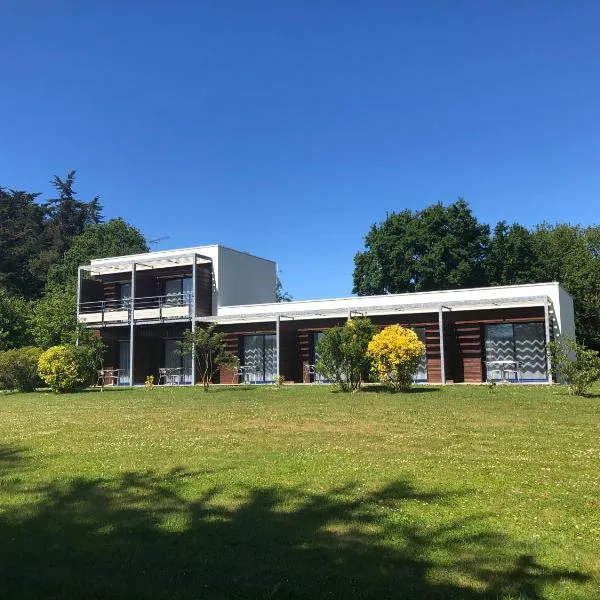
(146, 309)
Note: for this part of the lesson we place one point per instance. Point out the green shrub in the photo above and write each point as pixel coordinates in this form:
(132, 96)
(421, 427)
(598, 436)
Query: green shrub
(19, 369)
(576, 365)
(68, 368)
(343, 355)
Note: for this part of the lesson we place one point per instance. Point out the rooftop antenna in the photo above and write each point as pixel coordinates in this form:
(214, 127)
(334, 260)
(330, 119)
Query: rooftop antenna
(160, 239)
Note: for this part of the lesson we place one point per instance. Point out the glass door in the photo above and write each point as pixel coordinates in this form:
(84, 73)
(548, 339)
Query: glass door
(124, 378)
(260, 358)
(530, 350)
(124, 295)
(182, 365)
(317, 337)
(421, 374)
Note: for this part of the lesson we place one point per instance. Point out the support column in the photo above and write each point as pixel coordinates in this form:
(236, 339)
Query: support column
(78, 301)
(194, 280)
(442, 353)
(547, 333)
(277, 338)
(131, 326)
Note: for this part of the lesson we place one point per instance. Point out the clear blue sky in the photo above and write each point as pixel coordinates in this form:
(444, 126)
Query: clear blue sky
(288, 128)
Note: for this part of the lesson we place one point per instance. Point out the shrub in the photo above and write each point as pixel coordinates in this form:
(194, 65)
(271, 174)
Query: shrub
(19, 369)
(209, 348)
(68, 368)
(343, 354)
(395, 353)
(576, 365)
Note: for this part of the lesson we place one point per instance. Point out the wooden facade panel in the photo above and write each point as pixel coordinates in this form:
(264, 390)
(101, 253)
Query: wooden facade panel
(151, 283)
(464, 334)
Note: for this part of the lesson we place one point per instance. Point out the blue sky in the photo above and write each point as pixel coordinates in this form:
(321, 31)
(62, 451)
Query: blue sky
(287, 128)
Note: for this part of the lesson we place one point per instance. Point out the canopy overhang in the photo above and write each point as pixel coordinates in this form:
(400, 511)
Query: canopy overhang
(288, 311)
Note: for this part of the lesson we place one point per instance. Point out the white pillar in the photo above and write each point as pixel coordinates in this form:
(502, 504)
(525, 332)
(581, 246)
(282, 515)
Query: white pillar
(547, 332)
(131, 325)
(442, 353)
(194, 265)
(277, 355)
(78, 301)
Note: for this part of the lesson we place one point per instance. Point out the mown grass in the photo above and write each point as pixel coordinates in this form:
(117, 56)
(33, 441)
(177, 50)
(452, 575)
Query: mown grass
(300, 493)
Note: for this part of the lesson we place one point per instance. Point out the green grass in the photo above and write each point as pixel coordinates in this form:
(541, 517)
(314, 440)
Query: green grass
(300, 493)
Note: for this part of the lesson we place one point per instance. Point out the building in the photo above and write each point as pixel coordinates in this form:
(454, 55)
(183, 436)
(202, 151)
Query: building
(141, 305)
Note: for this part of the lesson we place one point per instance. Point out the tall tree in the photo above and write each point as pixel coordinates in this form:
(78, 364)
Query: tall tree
(511, 258)
(570, 254)
(21, 225)
(66, 218)
(113, 238)
(440, 247)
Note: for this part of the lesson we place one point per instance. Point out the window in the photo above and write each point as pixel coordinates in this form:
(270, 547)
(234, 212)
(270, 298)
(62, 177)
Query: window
(260, 358)
(421, 374)
(124, 365)
(174, 360)
(124, 295)
(521, 342)
(179, 291)
(317, 337)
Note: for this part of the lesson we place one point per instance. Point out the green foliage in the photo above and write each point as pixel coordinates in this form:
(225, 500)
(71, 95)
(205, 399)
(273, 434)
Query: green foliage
(511, 258)
(101, 240)
(280, 294)
(445, 247)
(570, 254)
(21, 228)
(343, 356)
(65, 218)
(209, 349)
(54, 318)
(438, 248)
(395, 353)
(19, 369)
(68, 368)
(576, 365)
(14, 328)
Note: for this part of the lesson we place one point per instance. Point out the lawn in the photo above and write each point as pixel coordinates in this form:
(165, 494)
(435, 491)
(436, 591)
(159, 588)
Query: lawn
(300, 493)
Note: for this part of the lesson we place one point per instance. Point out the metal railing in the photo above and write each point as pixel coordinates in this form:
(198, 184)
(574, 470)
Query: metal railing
(168, 306)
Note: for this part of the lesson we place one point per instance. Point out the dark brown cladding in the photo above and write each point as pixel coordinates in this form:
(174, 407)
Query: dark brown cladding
(150, 283)
(463, 340)
(464, 336)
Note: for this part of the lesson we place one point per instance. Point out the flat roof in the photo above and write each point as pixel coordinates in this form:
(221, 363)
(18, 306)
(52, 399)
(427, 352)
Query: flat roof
(156, 260)
(364, 306)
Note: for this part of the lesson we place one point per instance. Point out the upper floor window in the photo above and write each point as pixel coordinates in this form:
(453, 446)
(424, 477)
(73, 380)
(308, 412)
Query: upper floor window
(124, 294)
(179, 291)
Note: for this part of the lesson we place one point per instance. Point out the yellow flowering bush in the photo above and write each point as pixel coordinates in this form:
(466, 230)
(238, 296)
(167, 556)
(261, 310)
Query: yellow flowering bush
(66, 368)
(395, 353)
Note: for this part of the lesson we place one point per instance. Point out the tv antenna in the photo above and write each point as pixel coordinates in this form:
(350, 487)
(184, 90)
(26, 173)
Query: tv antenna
(160, 239)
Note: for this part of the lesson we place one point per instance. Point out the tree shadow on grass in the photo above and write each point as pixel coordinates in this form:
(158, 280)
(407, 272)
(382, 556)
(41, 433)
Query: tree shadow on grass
(145, 535)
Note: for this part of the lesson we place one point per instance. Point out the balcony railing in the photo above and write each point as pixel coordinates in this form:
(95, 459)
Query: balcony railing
(148, 308)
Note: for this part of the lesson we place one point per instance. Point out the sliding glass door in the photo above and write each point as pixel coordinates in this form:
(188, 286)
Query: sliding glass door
(260, 358)
(421, 374)
(124, 375)
(523, 343)
(181, 364)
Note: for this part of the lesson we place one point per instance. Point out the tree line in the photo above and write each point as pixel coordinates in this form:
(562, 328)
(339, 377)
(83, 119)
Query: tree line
(446, 247)
(42, 243)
